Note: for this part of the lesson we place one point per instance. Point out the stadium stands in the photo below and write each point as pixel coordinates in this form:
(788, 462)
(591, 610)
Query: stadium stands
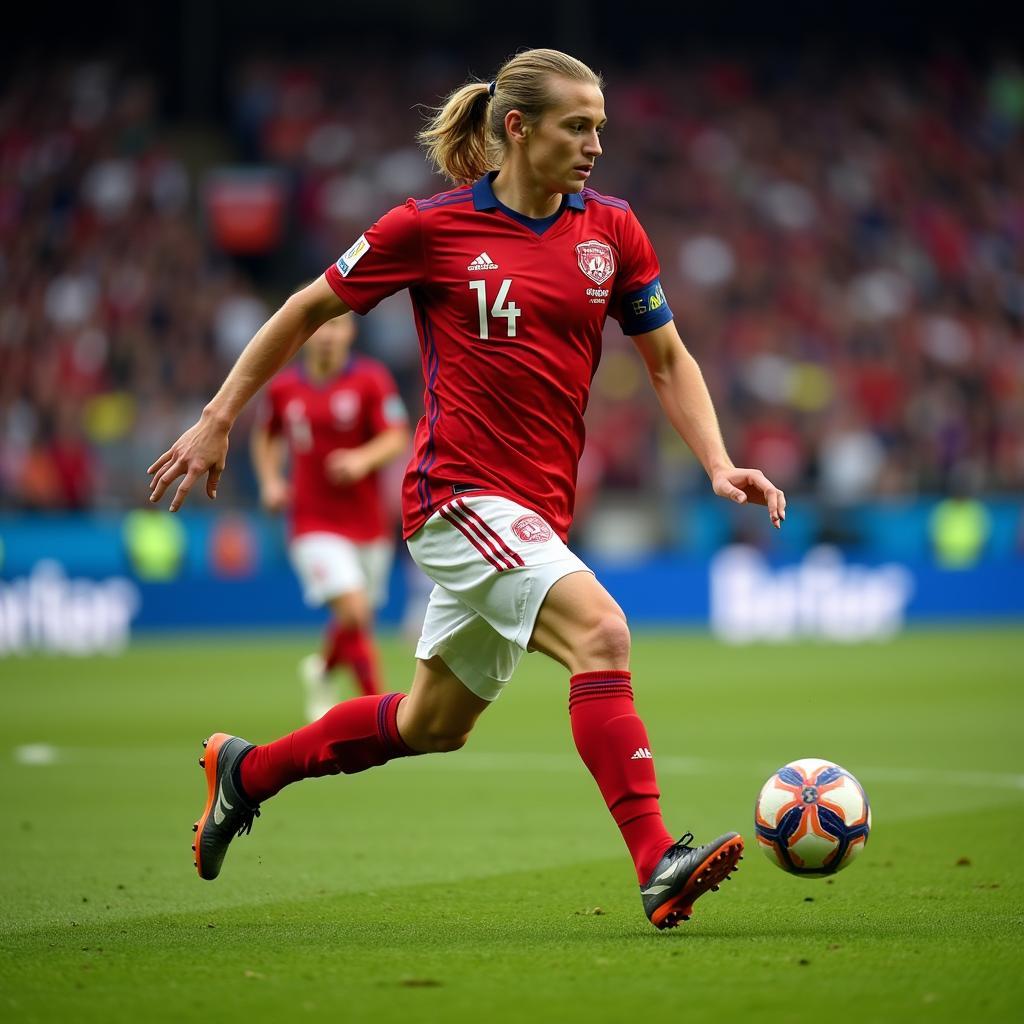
(841, 247)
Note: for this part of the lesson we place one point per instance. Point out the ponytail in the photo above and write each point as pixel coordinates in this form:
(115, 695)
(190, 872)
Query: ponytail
(456, 137)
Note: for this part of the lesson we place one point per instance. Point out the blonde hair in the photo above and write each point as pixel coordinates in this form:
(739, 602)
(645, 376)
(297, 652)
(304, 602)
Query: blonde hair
(465, 137)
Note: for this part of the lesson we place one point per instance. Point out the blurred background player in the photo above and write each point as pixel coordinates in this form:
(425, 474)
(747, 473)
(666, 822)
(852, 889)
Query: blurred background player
(337, 419)
(489, 495)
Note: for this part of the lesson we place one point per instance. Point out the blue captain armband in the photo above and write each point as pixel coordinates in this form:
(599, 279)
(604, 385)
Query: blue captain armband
(645, 310)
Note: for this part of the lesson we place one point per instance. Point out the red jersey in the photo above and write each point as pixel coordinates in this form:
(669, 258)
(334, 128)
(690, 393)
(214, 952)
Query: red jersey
(510, 319)
(317, 417)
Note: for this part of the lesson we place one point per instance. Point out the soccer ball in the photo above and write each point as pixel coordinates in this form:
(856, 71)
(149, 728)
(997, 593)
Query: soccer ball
(812, 817)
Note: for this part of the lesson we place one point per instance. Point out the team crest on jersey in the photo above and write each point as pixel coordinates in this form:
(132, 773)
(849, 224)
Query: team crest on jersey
(345, 407)
(531, 529)
(596, 260)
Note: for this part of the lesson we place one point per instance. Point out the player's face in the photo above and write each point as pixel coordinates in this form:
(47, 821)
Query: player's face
(562, 147)
(328, 348)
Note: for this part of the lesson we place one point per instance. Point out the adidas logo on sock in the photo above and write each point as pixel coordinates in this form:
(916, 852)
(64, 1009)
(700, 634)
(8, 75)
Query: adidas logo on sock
(642, 753)
(483, 262)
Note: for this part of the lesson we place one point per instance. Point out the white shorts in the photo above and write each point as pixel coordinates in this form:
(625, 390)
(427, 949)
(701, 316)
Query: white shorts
(329, 565)
(493, 563)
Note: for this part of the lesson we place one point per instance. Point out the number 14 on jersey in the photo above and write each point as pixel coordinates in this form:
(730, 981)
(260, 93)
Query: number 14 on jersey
(509, 311)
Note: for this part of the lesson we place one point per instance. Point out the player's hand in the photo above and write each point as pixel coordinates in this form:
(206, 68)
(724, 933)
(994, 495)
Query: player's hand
(345, 466)
(275, 494)
(202, 449)
(742, 485)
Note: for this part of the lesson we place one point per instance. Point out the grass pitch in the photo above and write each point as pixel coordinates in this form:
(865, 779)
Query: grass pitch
(491, 884)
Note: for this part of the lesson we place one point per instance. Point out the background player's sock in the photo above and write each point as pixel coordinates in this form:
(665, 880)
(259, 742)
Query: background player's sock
(353, 736)
(612, 741)
(336, 641)
(362, 656)
(353, 646)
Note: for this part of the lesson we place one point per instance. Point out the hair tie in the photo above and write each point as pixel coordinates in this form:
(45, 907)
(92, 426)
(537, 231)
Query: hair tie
(490, 88)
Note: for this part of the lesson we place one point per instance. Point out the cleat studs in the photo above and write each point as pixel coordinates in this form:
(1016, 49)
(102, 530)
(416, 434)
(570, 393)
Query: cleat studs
(714, 888)
(193, 847)
(205, 742)
(195, 863)
(195, 826)
(202, 762)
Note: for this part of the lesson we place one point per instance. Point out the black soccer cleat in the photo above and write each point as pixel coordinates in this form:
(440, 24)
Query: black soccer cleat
(685, 873)
(227, 813)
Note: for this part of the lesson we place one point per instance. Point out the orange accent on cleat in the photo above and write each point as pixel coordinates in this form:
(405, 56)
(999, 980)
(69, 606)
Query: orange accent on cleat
(716, 869)
(209, 764)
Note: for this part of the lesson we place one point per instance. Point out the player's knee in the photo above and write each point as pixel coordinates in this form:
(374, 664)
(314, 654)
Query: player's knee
(608, 641)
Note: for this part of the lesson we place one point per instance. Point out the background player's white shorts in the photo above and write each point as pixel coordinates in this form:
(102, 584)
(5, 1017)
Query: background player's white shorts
(329, 565)
(493, 562)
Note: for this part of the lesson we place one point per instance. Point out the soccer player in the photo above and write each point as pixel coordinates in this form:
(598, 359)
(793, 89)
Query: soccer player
(339, 419)
(512, 275)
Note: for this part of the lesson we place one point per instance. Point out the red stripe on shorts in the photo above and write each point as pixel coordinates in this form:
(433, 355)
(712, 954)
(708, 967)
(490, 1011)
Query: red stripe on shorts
(485, 534)
(481, 534)
(448, 517)
(476, 517)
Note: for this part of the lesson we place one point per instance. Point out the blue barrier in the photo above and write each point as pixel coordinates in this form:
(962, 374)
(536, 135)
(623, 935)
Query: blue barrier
(67, 583)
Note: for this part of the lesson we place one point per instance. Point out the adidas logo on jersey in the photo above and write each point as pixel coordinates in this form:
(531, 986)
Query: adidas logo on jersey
(483, 262)
(642, 753)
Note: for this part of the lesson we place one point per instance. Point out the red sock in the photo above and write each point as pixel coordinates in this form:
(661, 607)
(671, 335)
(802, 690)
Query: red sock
(353, 646)
(353, 736)
(612, 741)
(335, 646)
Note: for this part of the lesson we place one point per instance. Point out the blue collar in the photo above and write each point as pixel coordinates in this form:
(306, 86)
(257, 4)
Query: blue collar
(485, 199)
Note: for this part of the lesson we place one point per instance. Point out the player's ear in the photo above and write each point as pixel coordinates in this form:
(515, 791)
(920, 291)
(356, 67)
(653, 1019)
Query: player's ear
(515, 126)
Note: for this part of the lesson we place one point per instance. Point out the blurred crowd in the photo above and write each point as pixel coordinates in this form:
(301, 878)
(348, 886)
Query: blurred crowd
(843, 249)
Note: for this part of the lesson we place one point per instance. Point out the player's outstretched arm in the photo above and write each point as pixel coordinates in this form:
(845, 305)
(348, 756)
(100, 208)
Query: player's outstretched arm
(684, 396)
(202, 450)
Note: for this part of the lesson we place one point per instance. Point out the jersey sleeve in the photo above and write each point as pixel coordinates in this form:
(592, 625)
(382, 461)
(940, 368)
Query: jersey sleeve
(388, 258)
(638, 301)
(387, 410)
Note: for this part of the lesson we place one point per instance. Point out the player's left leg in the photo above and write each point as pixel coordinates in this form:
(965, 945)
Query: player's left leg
(581, 626)
(437, 715)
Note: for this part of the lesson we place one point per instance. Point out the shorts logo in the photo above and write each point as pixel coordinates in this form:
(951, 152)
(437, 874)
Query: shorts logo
(531, 529)
(359, 248)
(596, 260)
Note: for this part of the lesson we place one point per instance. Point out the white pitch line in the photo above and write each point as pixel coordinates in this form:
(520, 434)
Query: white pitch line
(36, 754)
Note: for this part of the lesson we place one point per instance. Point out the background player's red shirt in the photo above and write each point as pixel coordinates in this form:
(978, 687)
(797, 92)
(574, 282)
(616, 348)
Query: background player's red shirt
(510, 324)
(316, 417)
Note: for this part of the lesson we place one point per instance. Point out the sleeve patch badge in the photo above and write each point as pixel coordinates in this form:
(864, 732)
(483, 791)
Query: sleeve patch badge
(348, 259)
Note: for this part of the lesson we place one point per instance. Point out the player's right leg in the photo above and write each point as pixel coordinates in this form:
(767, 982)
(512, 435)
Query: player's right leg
(437, 715)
